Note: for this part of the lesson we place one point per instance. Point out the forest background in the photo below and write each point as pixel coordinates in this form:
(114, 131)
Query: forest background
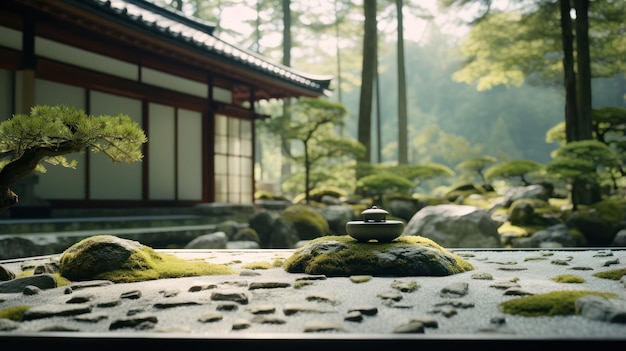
(454, 112)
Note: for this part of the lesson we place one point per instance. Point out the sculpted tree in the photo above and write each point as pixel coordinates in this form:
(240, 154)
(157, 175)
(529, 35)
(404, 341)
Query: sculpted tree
(513, 169)
(312, 123)
(585, 162)
(49, 133)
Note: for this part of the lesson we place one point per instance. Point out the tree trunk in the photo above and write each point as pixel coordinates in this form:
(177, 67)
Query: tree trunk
(402, 112)
(367, 79)
(285, 170)
(569, 81)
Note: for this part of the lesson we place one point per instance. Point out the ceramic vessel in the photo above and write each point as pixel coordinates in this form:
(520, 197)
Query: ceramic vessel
(374, 226)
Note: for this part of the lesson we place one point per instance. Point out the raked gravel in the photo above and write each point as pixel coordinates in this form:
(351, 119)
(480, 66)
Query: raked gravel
(324, 305)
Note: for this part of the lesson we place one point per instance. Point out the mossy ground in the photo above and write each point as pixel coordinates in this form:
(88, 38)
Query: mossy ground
(549, 304)
(613, 274)
(14, 313)
(147, 264)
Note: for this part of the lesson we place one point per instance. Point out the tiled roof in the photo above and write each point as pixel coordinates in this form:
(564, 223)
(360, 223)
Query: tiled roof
(170, 24)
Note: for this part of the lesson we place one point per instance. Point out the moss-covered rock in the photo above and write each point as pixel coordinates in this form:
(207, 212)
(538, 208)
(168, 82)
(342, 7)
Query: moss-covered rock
(600, 222)
(308, 221)
(344, 256)
(121, 260)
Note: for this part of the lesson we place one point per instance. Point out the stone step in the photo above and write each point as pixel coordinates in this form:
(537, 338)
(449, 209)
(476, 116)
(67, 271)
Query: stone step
(47, 243)
(54, 225)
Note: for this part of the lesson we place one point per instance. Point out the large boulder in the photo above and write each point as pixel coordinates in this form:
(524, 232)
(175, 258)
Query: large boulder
(217, 240)
(97, 254)
(455, 226)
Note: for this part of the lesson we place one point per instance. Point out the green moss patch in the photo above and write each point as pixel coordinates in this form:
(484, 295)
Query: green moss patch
(550, 304)
(14, 313)
(613, 274)
(147, 264)
(345, 256)
(568, 279)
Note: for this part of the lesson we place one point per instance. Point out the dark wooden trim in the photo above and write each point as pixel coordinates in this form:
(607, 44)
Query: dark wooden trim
(72, 75)
(11, 59)
(208, 138)
(176, 120)
(29, 59)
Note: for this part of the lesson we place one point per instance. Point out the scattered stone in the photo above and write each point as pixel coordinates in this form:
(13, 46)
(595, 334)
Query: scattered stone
(321, 298)
(81, 298)
(31, 290)
(170, 293)
(132, 295)
(360, 278)
(482, 276)
(455, 303)
(235, 296)
(261, 309)
(515, 291)
(560, 262)
(90, 284)
(411, 327)
(17, 285)
(405, 286)
(109, 303)
(91, 317)
(292, 308)
(611, 262)
(353, 316)
(390, 295)
(53, 310)
(580, 268)
(366, 310)
(171, 303)
(47, 268)
(200, 286)
(504, 285)
(323, 326)
(6, 274)
(426, 320)
(227, 306)
(601, 309)
(268, 285)
(211, 316)
(453, 290)
(240, 324)
(138, 321)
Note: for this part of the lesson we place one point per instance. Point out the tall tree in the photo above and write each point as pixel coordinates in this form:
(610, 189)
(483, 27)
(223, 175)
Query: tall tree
(368, 71)
(403, 147)
(286, 143)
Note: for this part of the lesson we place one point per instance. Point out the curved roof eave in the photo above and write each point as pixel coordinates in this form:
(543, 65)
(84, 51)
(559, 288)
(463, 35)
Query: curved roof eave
(175, 27)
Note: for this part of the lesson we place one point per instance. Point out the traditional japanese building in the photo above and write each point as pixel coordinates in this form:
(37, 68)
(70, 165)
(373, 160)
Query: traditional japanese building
(192, 93)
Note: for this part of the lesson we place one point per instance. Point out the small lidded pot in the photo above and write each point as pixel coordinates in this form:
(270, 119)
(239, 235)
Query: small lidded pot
(374, 226)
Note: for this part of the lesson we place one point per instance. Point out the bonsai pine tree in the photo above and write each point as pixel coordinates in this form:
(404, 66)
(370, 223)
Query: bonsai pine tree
(419, 173)
(513, 169)
(476, 166)
(313, 123)
(584, 163)
(378, 184)
(49, 133)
